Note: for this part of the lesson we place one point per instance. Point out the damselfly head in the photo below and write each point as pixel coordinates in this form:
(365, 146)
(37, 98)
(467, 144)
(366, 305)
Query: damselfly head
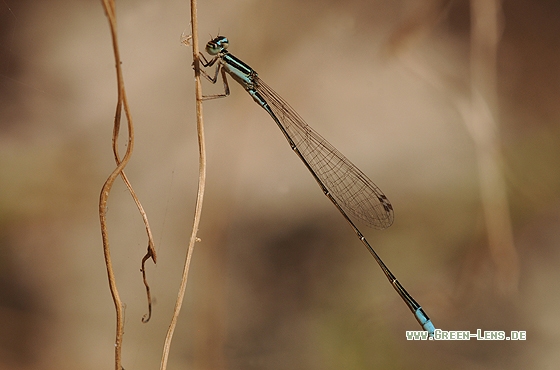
(218, 44)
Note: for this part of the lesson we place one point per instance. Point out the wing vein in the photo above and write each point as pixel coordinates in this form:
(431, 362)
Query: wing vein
(351, 188)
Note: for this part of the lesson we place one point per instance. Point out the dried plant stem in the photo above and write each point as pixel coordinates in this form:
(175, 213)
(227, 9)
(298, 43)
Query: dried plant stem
(122, 103)
(479, 108)
(484, 128)
(109, 7)
(201, 186)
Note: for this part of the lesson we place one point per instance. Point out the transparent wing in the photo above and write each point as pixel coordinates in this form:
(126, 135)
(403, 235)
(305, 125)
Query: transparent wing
(350, 187)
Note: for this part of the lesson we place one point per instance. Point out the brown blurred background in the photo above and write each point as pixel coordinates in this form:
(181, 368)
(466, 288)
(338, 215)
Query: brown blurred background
(452, 113)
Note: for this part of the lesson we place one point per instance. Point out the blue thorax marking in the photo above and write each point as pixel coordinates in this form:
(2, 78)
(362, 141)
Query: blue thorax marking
(240, 71)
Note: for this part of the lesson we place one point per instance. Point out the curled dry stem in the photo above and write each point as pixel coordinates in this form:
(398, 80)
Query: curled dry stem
(110, 11)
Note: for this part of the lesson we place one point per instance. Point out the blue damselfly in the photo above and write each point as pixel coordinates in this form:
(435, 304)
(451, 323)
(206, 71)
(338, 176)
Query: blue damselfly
(348, 188)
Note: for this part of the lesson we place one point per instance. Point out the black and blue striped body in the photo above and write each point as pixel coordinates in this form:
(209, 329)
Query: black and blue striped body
(348, 188)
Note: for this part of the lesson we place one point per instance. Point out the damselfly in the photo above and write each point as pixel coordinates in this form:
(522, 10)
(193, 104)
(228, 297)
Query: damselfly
(348, 188)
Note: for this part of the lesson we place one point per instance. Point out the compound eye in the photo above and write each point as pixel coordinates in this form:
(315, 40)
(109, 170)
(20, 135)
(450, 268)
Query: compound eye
(212, 48)
(215, 46)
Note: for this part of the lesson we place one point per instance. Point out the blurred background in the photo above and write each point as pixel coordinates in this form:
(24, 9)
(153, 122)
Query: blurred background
(450, 107)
